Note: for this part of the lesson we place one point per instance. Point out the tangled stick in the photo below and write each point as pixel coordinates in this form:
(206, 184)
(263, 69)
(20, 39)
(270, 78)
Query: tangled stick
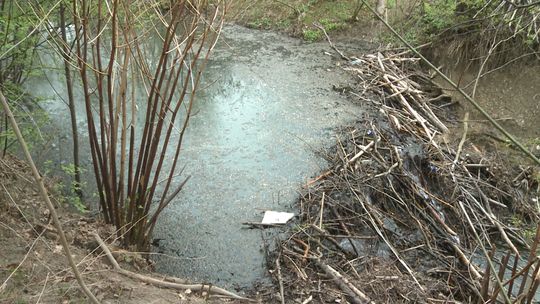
(160, 283)
(356, 295)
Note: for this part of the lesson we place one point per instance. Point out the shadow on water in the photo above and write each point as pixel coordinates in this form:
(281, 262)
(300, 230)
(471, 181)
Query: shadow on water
(266, 108)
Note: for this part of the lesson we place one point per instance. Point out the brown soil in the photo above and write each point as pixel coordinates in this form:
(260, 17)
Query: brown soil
(33, 268)
(510, 94)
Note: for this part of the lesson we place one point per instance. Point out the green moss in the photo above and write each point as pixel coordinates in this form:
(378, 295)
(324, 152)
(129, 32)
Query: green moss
(262, 23)
(312, 35)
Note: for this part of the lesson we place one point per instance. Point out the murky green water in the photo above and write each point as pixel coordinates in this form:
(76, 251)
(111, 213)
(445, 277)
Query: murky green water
(267, 109)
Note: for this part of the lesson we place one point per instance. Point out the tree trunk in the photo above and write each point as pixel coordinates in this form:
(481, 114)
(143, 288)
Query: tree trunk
(359, 5)
(66, 54)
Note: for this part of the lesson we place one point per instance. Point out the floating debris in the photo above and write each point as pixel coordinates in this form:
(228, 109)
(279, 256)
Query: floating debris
(276, 218)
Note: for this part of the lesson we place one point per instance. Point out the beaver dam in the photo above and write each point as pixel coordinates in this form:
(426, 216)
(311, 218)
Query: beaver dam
(172, 133)
(408, 213)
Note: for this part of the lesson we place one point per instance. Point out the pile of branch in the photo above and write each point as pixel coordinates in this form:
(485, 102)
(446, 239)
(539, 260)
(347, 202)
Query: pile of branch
(401, 208)
(405, 95)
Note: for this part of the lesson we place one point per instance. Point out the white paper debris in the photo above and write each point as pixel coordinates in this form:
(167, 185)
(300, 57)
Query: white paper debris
(275, 217)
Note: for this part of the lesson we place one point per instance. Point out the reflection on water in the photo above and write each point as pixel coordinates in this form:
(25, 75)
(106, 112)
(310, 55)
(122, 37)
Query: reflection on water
(266, 108)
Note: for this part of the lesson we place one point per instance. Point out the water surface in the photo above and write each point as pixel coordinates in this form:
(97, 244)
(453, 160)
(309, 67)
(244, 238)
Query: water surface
(266, 109)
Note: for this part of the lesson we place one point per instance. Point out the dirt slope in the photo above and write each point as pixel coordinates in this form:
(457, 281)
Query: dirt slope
(33, 268)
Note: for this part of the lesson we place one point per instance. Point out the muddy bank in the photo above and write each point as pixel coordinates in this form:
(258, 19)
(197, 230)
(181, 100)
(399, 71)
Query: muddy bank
(33, 267)
(510, 94)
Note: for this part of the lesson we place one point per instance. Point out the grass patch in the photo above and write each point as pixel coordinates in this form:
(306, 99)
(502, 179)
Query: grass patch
(312, 35)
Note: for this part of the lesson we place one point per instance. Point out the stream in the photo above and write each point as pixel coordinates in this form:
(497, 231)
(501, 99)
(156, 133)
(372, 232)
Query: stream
(266, 111)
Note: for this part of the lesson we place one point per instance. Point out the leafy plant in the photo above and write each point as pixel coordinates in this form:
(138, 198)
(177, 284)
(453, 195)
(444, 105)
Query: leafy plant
(330, 25)
(261, 23)
(312, 35)
(439, 14)
(74, 188)
(18, 42)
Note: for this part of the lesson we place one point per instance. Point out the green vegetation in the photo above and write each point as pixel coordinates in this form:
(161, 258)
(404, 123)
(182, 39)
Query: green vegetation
(439, 15)
(74, 188)
(527, 230)
(315, 34)
(65, 189)
(312, 35)
(463, 29)
(478, 30)
(261, 23)
(298, 17)
(18, 43)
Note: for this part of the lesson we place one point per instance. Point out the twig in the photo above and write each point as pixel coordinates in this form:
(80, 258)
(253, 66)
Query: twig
(309, 299)
(254, 225)
(22, 214)
(532, 256)
(490, 263)
(363, 149)
(46, 199)
(388, 171)
(343, 56)
(43, 289)
(280, 280)
(331, 238)
(374, 220)
(4, 284)
(322, 210)
(463, 137)
(421, 120)
(466, 261)
(502, 270)
(160, 283)
(323, 175)
(295, 9)
(534, 284)
(453, 84)
(487, 274)
(357, 296)
(344, 227)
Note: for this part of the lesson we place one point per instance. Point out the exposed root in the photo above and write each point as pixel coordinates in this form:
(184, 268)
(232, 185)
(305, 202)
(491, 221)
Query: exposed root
(169, 282)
